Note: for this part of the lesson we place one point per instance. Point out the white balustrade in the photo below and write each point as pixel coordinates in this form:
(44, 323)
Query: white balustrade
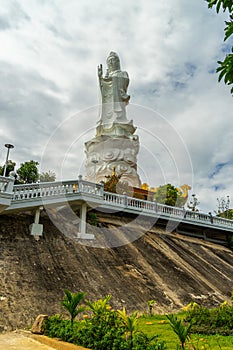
(114, 198)
(47, 189)
(32, 191)
(91, 188)
(165, 210)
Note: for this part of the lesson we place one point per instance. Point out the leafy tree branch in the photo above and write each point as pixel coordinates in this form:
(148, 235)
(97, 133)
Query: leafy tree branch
(225, 68)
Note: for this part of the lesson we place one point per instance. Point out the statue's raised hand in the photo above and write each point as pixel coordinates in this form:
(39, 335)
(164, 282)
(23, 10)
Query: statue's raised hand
(100, 71)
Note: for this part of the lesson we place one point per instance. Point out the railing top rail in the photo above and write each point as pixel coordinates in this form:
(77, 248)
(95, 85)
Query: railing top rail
(54, 184)
(43, 184)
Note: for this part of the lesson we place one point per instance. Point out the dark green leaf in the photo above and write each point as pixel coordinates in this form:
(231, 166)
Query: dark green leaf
(228, 30)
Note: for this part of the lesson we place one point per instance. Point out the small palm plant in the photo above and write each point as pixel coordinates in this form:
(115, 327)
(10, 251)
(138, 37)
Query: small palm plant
(71, 302)
(180, 329)
(99, 307)
(130, 323)
(150, 304)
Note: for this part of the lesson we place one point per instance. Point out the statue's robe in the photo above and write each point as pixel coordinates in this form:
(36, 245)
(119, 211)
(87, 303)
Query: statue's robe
(114, 98)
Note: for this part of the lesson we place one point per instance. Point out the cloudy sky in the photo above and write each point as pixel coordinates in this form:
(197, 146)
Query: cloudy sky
(49, 94)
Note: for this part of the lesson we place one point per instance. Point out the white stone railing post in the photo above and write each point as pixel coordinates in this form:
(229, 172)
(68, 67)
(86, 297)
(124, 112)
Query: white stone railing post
(6, 191)
(125, 199)
(10, 185)
(6, 184)
(80, 184)
(101, 188)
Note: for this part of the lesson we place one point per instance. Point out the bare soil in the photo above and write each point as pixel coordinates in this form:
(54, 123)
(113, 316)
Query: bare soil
(170, 268)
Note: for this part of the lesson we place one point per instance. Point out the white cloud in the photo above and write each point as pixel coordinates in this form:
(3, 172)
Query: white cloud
(49, 54)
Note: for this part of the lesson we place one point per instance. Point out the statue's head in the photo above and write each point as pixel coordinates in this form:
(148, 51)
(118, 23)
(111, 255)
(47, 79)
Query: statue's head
(113, 62)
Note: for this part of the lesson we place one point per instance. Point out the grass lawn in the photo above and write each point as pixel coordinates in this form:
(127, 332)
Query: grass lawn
(159, 324)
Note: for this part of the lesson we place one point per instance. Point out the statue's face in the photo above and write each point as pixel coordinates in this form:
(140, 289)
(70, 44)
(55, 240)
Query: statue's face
(113, 63)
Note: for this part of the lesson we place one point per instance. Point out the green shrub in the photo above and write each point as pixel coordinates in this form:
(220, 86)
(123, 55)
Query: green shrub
(198, 315)
(56, 327)
(108, 329)
(150, 304)
(212, 321)
(105, 329)
(92, 217)
(144, 342)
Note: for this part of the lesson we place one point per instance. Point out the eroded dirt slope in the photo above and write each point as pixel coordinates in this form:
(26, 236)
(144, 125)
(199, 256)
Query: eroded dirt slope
(169, 268)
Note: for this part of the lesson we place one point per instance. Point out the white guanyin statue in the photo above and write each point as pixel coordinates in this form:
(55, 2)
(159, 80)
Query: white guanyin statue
(115, 146)
(113, 88)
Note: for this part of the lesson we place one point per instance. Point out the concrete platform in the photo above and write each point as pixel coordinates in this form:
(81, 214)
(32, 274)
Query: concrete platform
(22, 340)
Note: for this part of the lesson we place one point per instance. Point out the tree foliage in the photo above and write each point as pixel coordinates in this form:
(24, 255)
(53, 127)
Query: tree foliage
(28, 172)
(111, 183)
(114, 184)
(225, 68)
(48, 176)
(169, 195)
(225, 4)
(224, 210)
(10, 167)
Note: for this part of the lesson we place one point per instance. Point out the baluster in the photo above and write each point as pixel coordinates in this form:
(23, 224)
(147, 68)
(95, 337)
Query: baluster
(24, 193)
(44, 191)
(65, 188)
(15, 196)
(34, 192)
(80, 183)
